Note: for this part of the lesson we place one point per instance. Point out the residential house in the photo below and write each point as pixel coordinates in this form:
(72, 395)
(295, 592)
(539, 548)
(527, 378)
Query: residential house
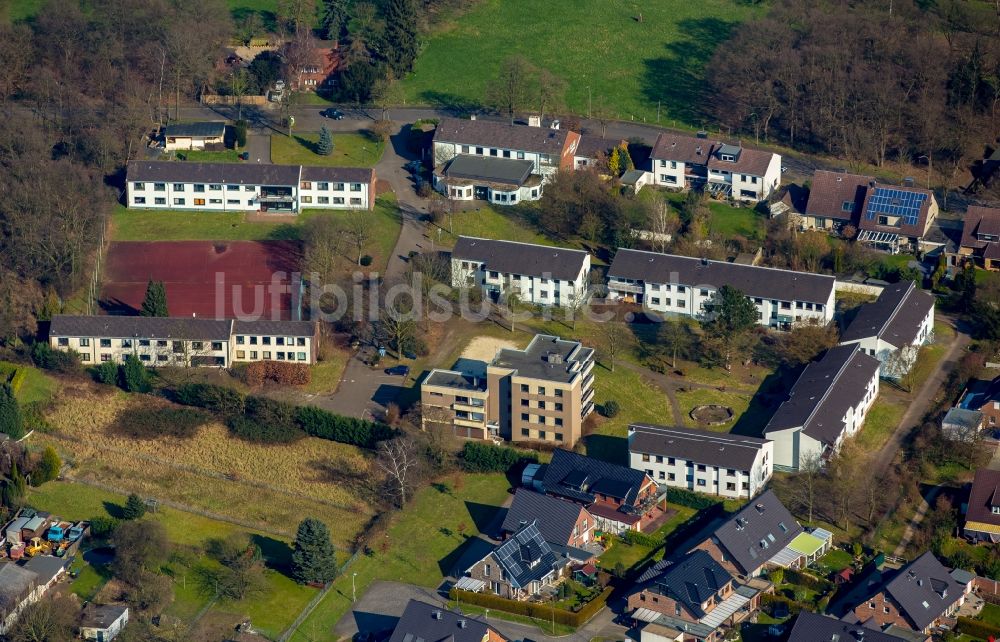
(682, 285)
(318, 68)
(103, 622)
(422, 621)
(754, 537)
(48, 570)
(983, 396)
(591, 149)
(19, 588)
(893, 327)
(517, 569)
(896, 218)
(981, 237)
(826, 405)
(246, 187)
(695, 595)
(812, 627)
(959, 424)
(982, 517)
(547, 150)
(619, 498)
(704, 461)
(741, 173)
(921, 596)
(194, 135)
(538, 274)
(542, 393)
(562, 523)
(173, 341)
(835, 200)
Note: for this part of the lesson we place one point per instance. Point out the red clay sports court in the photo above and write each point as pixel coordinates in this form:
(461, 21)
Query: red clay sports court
(194, 271)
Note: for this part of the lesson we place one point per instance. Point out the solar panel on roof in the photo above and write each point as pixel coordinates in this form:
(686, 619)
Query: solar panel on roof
(896, 202)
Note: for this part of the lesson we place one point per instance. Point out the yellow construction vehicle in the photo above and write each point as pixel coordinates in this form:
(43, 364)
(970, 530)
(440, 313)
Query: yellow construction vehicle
(37, 547)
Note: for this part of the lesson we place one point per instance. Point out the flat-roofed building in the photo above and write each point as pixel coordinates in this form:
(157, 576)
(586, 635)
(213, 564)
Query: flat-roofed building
(194, 135)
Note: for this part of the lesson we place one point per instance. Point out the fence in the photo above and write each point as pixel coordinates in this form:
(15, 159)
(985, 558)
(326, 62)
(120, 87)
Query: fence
(216, 99)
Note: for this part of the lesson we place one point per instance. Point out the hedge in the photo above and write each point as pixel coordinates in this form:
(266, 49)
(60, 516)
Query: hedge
(642, 539)
(691, 500)
(347, 430)
(976, 628)
(540, 611)
(807, 580)
(280, 372)
(20, 374)
(480, 457)
(206, 395)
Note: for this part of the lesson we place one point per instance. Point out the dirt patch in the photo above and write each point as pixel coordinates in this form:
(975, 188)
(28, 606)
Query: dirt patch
(485, 348)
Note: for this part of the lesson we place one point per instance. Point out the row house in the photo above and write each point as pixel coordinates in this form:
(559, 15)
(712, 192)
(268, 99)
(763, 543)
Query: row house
(810, 627)
(704, 461)
(682, 285)
(538, 274)
(183, 341)
(562, 523)
(542, 393)
(826, 405)
(981, 237)
(517, 569)
(695, 162)
(246, 187)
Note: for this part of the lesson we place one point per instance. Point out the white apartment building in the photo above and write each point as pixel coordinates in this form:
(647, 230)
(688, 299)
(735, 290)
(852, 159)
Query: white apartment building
(685, 162)
(672, 284)
(183, 341)
(246, 187)
(540, 274)
(827, 404)
(702, 461)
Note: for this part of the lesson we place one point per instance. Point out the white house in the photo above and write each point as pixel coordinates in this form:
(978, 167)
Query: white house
(194, 135)
(246, 187)
(163, 341)
(19, 588)
(684, 162)
(893, 327)
(103, 622)
(672, 284)
(703, 461)
(826, 405)
(540, 274)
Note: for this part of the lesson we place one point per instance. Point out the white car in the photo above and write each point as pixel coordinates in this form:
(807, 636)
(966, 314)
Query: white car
(279, 85)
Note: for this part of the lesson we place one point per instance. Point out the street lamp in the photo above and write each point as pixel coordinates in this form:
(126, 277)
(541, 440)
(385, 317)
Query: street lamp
(354, 591)
(590, 101)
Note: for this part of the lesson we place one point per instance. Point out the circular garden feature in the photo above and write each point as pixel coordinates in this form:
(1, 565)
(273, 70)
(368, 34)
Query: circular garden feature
(712, 414)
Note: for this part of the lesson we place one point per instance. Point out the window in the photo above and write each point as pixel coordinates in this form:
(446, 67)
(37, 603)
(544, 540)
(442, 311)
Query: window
(323, 187)
(178, 187)
(159, 187)
(178, 201)
(84, 343)
(323, 200)
(559, 436)
(701, 468)
(731, 472)
(541, 390)
(162, 358)
(84, 357)
(465, 149)
(248, 188)
(520, 156)
(307, 199)
(215, 201)
(355, 187)
(105, 343)
(232, 188)
(704, 292)
(701, 482)
(487, 570)
(63, 341)
(525, 416)
(280, 341)
(525, 432)
(302, 356)
(197, 345)
(847, 206)
(671, 461)
(338, 200)
(199, 188)
(139, 186)
(524, 403)
(240, 340)
(126, 343)
(479, 150)
(307, 185)
(506, 153)
(355, 201)
(558, 392)
(161, 344)
(731, 486)
(232, 201)
(493, 152)
(253, 354)
(645, 457)
(139, 200)
(542, 435)
(338, 187)
(524, 387)
(541, 405)
(144, 357)
(663, 475)
(215, 187)
(671, 477)
(654, 301)
(199, 201)
(253, 341)
(105, 357)
(159, 200)
(216, 345)
(559, 406)
(267, 355)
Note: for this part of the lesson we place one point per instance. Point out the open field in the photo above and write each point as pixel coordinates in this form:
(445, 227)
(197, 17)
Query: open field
(349, 150)
(487, 223)
(611, 60)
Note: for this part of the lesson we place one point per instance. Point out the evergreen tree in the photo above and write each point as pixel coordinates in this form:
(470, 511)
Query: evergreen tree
(135, 378)
(314, 559)
(333, 18)
(11, 420)
(48, 467)
(626, 159)
(155, 303)
(325, 145)
(107, 373)
(615, 163)
(401, 36)
(731, 317)
(134, 507)
(14, 489)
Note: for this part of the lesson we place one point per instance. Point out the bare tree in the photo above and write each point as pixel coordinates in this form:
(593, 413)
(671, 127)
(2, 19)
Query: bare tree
(551, 92)
(899, 366)
(512, 303)
(361, 229)
(239, 84)
(805, 486)
(663, 225)
(614, 340)
(399, 460)
(323, 241)
(511, 90)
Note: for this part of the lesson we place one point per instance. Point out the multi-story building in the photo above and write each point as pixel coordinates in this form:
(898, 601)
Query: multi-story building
(981, 237)
(810, 627)
(246, 187)
(429, 622)
(687, 162)
(541, 393)
(893, 327)
(896, 218)
(827, 404)
(538, 274)
(704, 461)
(682, 285)
(183, 341)
(497, 161)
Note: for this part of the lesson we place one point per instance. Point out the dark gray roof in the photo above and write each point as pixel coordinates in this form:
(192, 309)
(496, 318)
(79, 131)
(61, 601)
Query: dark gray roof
(753, 281)
(579, 477)
(229, 173)
(506, 171)
(338, 174)
(692, 581)
(985, 494)
(547, 358)
(591, 146)
(526, 557)
(47, 567)
(491, 133)
(207, 129)
(554, 517)
(422, 622)
(16, 580)
(811, 627)
(101, 616)
(529, 259)
(703, 446)
(455, 379)
(139, 327)
(895, 317)
(924, 589)
(962, 417)
(758, 532)
(820, 398)
(276, 328)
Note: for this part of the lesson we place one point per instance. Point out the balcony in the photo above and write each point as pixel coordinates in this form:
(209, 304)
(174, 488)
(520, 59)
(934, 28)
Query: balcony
(476, 406)
(622, 286)
(470, 423)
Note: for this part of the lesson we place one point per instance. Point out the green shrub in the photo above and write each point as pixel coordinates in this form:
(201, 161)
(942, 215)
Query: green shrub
(107, 373)
(20, 374)
(610, 408)
(240, 129)
(134, 507)
(46, 358)
(11, 419)
(212, 397)
(103, 526)
(135, 377)
(346, 430)
(642, 539)
(365, 261)
(480, 457)
(48, 467)
(542, 612)
(689, 499)
(262, 433)
(977, 628)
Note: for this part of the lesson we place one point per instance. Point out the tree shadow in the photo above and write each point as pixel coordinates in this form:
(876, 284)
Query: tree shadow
(114, 510)
(373, 623)
(468, 553)
(771, 393)
(482, 515)
(277, 554)
(608, 448)
(675, 80)
(117, 307)
(450, 103)
(268, 19)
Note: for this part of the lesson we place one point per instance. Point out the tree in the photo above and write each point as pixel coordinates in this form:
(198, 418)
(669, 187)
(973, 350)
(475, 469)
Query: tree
(615, 163)
(333, 15)
(11, 419)
(48, 467)
(614, 340)
(398, 459)
(155, 302)
(242, 570)
(675, 337)
(135, 377)
(402, 41)
(511, 91)
(239, 84)
(360, 228)
(14, 489)
(899, 366)
(134, 507)
(803, 343)
(731, 317)
(314, 560)
(141, 548)
(626, 158)
(107, 373)
(50, 619)
(806, 484)
(325, 145)
(323, 244)
(663, 224)
(512, 303)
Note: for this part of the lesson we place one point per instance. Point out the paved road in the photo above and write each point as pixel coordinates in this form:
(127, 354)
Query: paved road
(259, 148)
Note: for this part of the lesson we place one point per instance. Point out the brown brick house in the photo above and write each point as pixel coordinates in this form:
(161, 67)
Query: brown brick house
(982, 518)
(517, 569)
(422, 621)
(981, 237)
(560, 522)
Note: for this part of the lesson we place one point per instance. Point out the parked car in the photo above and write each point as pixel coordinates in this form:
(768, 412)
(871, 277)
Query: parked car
(335, 114)
(403, 371)
(279, 85)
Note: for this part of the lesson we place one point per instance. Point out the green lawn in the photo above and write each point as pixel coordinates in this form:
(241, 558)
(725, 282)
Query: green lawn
(544, 626)
(420, 545)
(882, 419)
(488, 223)
(631, 554)
(834, 561)
(728, 221)
(202, 156)
(158, 225)
(990, 614)
(274, 610)
(639, 402)
(37, 385)
(349, 150)
(89, 579)
(609, 59)
(688, 400)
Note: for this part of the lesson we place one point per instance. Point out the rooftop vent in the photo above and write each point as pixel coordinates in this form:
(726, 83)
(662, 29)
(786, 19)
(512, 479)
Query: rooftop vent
(534, 121)
(436, 615)
(553, 357)
(462, 624)
(472, 116)
(760, 508)
(704, 261)
(908, 181)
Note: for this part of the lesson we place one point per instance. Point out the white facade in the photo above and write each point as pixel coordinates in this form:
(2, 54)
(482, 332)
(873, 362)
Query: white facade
(107, 632)
(463, 190)
(533, 289)
(198, 196)
(334, 195)
(692, 475)
(687, 162)
(885, 351)
(544, 164)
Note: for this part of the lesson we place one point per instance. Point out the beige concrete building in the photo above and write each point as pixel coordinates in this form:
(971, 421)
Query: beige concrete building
(541, 393)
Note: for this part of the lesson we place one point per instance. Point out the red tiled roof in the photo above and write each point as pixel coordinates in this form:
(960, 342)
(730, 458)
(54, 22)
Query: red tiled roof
(830, 190)
(978, 220)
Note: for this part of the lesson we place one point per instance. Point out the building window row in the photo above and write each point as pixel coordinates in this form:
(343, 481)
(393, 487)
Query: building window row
(266, 341)
(492, 151)
(266, 355)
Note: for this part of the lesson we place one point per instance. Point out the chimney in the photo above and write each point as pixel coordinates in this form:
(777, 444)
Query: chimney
(461, 624)
(908, 181)
(534, 121)
(472, 116)
(436, 615)
(704, 261)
